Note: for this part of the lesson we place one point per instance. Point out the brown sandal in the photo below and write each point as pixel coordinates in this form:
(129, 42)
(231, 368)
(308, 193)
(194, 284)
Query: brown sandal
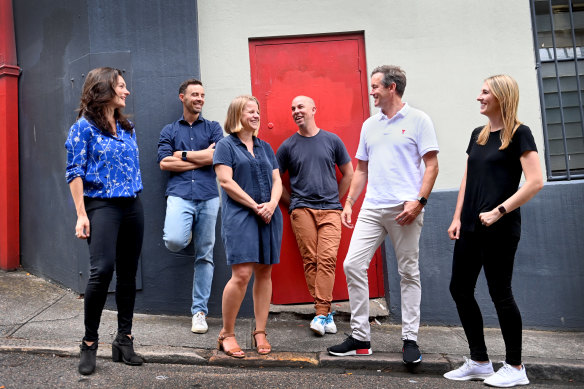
(230, 353)
(261, 346)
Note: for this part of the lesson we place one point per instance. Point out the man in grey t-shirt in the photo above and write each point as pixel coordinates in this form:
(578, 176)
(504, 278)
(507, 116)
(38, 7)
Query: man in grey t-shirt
(310, 156)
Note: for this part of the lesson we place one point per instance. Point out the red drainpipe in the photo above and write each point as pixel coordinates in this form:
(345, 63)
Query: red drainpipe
(9, 186)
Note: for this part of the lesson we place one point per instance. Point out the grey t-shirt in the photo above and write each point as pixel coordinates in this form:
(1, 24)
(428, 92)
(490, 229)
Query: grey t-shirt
(311, 162)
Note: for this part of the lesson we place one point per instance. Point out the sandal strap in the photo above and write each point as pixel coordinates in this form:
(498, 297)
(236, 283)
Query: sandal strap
(225, 336)
(255, 332)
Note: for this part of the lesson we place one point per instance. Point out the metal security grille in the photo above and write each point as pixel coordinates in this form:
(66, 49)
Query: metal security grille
(558, 29)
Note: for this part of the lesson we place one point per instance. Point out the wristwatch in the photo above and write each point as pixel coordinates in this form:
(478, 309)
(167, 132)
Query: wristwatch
(184, 156)
(423, 200)
(502, 209)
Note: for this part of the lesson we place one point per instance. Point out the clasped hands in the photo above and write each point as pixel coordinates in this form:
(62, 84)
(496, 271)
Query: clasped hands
(265, 211)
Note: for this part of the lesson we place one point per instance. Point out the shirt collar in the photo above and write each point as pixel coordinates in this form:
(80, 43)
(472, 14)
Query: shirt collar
(199, 119)
(238, 141)
(400, 114)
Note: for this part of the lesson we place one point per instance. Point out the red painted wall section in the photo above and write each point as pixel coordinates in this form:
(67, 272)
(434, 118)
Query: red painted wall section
(331, 70)
(9, 184)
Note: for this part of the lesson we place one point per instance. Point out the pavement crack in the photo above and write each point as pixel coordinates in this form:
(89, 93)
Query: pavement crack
(40, 311)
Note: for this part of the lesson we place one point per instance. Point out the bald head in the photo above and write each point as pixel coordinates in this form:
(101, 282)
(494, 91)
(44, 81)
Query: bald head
(303, 99)
(303, 111)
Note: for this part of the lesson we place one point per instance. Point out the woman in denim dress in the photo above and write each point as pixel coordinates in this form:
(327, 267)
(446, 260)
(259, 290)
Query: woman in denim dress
(251, 227)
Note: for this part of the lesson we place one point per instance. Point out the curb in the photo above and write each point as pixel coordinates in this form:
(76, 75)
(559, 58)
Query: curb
(433, 364)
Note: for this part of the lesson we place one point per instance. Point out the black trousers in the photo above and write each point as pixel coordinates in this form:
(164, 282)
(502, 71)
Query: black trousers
(494, 251)
(116, 234)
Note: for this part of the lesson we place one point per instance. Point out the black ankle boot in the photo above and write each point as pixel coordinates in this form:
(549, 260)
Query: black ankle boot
(87, 358)
(123, 351)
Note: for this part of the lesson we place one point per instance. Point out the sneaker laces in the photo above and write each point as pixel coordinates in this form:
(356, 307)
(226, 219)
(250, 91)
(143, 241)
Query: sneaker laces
(329, 317)
(467, 365)
(507, 370)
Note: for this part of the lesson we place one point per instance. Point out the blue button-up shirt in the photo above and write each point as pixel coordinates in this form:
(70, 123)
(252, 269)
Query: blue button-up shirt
(196, 184)
(109, 165)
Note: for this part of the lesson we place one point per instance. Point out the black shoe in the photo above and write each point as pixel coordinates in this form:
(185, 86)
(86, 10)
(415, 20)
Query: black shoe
(123, 351)
(411, 352)
(87, 358)
(351, 346)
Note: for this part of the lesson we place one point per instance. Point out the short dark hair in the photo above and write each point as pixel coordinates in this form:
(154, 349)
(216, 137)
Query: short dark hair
(392, 74)
(191, 81)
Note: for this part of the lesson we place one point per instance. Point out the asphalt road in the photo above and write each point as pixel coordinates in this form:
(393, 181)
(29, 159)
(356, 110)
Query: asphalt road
(20, 370)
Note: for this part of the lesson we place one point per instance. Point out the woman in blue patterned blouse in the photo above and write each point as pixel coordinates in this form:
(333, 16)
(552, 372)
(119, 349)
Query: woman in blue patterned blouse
(103, 172)
(251, 221)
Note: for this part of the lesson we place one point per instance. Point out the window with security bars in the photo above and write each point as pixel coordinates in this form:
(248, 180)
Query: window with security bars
(559, 43)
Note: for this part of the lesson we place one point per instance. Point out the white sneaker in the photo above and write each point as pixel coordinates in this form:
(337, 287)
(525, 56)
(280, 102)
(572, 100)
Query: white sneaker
(329, 324)
(199, 323)
(471, 370)
(317, 324)
(508, 376)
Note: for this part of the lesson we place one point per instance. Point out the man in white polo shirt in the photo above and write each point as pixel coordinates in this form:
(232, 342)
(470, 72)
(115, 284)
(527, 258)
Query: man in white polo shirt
(392, 146)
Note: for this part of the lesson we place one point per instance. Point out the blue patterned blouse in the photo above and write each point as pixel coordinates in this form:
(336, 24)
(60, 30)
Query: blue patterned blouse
(109, 165)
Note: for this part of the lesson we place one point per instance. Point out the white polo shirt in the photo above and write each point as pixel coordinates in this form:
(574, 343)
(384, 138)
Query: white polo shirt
(394, 149)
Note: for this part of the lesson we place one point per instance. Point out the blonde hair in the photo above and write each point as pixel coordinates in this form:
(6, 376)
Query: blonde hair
(234, 112)
(506, 91)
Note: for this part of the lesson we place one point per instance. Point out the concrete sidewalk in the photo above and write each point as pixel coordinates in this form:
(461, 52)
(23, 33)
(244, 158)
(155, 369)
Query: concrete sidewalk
(37, 316)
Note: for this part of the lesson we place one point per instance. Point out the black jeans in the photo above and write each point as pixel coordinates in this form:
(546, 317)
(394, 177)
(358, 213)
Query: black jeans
(495, 252)
(116, 234)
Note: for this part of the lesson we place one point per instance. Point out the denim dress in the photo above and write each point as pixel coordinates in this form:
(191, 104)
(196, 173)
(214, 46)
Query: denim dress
(246, 237)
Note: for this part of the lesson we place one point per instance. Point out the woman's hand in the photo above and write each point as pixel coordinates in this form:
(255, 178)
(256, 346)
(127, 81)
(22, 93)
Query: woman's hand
(82, 227)
(454, 229)
(488, 218)
(266, 210)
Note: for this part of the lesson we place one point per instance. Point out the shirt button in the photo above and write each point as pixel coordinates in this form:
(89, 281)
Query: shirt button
(192, 180)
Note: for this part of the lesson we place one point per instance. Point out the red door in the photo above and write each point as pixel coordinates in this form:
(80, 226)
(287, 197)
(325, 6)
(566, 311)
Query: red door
(331, 70)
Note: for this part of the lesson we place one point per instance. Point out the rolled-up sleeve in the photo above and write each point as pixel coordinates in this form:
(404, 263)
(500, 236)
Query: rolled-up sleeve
(77, 144)
(165, 143)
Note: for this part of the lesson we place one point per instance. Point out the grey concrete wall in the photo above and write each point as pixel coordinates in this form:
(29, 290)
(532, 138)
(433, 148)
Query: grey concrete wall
(155, 42)
(548, 278)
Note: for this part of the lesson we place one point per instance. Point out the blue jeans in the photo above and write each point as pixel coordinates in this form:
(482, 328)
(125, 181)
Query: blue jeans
(178, 225)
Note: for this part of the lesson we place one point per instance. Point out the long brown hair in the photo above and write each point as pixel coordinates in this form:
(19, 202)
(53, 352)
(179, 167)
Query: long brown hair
(506, 91)
(98, 92)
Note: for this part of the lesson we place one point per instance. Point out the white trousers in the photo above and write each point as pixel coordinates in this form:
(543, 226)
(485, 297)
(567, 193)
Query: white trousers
(372, 226)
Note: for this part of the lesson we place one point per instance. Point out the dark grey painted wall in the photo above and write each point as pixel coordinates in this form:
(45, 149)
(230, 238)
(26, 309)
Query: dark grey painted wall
(155, 42)
(548, 278)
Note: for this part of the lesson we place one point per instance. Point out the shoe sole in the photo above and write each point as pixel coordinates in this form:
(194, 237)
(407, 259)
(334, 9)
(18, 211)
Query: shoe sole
(359, 352)
(413, 362)
(317, 331)
(522, 382)
(475, 377)
(196, 331)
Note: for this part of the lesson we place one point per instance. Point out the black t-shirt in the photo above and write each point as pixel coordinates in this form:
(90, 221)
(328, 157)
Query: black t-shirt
(492, 177)
(311, 163)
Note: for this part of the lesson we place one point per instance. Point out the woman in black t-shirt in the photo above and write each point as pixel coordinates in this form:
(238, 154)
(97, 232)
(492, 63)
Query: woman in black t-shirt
(487, 226)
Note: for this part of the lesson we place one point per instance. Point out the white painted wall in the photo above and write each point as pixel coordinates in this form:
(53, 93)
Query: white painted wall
(447, 48)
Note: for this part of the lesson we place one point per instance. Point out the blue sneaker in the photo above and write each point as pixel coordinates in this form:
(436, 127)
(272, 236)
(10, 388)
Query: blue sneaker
(317, 324)
(329, 324)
